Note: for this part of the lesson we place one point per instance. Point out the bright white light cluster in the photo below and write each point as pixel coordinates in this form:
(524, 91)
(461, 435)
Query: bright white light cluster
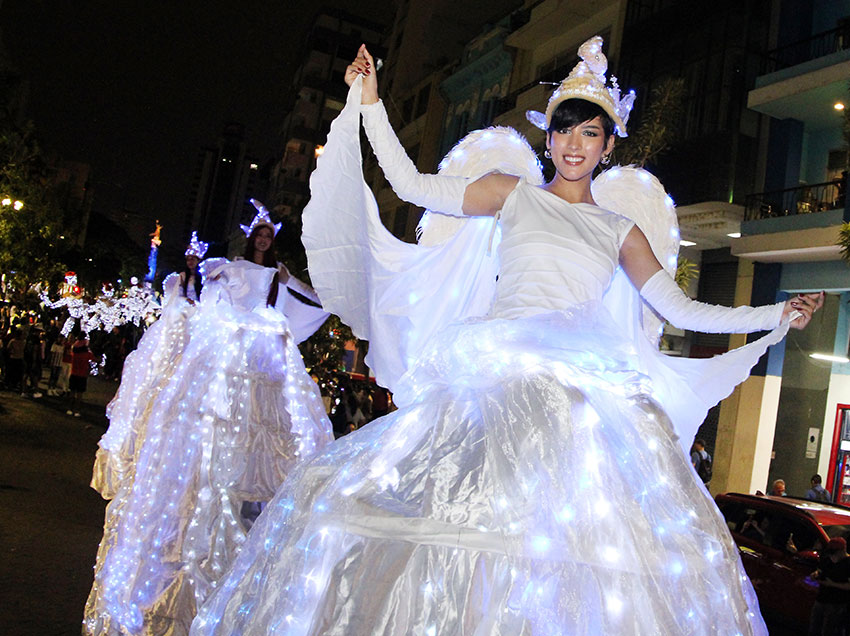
(139, 304)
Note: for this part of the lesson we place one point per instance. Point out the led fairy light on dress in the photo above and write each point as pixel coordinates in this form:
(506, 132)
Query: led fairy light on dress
(587, 81)
(261, 218)
(197, 247)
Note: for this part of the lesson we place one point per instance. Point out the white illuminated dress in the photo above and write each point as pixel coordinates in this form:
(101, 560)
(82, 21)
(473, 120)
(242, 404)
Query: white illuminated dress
(146, 371)
(530, 483)
(238, 411)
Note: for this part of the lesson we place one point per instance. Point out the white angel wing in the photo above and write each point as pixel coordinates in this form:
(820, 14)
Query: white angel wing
(637, 195)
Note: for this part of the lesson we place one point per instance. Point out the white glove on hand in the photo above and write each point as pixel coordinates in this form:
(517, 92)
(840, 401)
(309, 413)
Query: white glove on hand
(434, 192)
(662, 292)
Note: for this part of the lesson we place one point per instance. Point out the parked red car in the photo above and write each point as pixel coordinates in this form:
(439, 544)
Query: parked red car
(780, 569)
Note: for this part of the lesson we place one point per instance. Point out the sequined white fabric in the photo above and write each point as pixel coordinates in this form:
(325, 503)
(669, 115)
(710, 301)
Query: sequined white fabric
(237, 413)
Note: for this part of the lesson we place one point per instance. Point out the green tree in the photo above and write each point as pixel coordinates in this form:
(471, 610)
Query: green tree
(29, 236)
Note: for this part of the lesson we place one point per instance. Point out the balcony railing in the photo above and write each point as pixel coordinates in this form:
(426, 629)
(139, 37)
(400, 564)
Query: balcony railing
(802, 200)
(812, 48)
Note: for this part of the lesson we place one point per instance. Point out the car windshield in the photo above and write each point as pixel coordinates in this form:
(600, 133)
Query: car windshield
(837, 531)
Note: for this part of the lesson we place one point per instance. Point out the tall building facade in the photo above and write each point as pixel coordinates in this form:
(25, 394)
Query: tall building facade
(426, 41)
(317, 98)
(791, 418)
(226, 177)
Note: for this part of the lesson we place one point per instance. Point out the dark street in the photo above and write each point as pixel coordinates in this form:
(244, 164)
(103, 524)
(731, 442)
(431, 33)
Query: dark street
(51, 518)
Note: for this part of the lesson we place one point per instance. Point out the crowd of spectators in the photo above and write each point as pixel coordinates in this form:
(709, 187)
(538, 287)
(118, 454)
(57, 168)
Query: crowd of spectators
(35, 358)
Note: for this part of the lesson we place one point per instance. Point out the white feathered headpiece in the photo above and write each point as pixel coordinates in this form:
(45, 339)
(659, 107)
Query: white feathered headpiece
(587, 81)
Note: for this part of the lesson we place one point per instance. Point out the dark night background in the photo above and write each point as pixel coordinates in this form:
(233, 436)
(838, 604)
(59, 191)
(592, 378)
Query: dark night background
(135, 87)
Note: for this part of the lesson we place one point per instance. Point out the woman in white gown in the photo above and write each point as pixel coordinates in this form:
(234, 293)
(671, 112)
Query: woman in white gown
(146, 371)
(238, 412)
(530, 483)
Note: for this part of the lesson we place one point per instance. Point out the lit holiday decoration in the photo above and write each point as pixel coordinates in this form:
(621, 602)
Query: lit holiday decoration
(106, 309)
(71, 298)
(155, 243)
(139, 304)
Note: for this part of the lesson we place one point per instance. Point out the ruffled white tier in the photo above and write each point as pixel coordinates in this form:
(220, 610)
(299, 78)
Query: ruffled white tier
(146, 371)
(531, 487)
(235, 416)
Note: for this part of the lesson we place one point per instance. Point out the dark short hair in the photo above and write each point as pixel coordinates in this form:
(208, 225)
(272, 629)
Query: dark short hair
(700, 441)
(572, 112)
(816, 479)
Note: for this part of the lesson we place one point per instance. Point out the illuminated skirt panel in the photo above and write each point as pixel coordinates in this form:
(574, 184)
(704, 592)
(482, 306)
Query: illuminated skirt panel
(530, 487)
(238, 413)
(146, 372)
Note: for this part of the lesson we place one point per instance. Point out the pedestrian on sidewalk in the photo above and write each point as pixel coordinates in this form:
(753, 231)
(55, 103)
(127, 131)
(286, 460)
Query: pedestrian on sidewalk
(33, 361)
(57, 353)
(80, 369)
(67, 359)
(15, 361)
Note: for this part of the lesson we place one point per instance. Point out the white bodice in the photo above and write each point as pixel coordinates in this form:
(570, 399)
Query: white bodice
(242, 284)
(554, 255)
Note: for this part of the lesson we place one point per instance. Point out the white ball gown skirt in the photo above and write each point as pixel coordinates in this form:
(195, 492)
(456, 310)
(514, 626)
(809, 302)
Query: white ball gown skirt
(146, 371)
(532, 487)
(237, 414)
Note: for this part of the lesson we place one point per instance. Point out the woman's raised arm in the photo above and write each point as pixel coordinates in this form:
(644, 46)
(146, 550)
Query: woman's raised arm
(449, 195)
(661, 291)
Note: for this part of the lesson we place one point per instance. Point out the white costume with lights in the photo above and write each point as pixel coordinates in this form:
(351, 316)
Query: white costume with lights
(146, 371)
(236, 414)
(530, 484)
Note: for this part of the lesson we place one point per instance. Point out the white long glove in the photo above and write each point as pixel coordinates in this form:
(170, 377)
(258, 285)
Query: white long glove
(667, 299)
(434, 192)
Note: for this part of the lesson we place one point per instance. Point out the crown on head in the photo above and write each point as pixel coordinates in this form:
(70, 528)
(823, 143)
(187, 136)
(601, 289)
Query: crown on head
(261, 218)
(587, 81)
(196, 247)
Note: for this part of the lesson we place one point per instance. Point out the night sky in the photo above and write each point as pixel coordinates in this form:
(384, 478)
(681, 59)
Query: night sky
(135, 88)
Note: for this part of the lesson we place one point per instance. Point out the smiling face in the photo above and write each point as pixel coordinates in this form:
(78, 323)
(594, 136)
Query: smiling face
(576, 151)
(263, 238)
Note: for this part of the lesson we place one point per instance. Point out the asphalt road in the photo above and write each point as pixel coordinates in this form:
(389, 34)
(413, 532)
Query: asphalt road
(51, 521)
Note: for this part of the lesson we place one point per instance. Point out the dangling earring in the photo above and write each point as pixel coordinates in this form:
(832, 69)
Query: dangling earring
(606, 159)
(547, 153)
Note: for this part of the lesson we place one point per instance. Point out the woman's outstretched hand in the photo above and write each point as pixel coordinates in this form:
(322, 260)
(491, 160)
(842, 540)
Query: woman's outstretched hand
(364, 65)
(806, 304)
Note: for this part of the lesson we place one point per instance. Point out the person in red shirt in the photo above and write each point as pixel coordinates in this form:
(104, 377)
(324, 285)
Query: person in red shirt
(81, 359)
